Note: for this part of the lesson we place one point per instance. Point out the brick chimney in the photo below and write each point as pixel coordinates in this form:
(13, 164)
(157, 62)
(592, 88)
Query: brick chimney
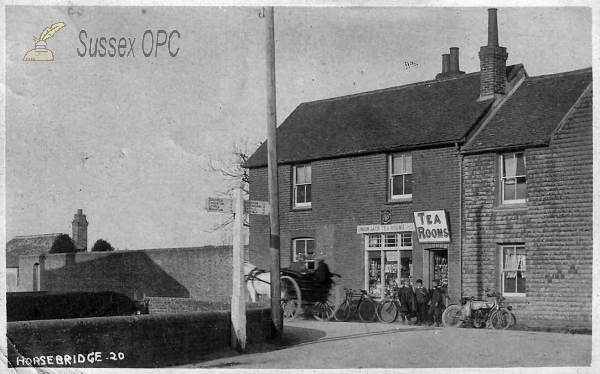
(80, 225)
(450, 65)
(492, 59)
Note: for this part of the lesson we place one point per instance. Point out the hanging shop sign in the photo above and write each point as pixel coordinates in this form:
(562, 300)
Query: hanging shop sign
(432, 226)
(394, 227)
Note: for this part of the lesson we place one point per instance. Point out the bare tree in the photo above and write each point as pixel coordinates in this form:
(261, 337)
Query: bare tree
(230, 166)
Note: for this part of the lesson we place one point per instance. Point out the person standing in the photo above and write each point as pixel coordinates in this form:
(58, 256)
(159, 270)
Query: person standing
(322, 275)
(405, 297)
(422, 298)
(436, 303)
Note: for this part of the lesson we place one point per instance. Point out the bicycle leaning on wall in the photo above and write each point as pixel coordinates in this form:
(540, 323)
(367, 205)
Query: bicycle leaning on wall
(357, 301)
(479, 313)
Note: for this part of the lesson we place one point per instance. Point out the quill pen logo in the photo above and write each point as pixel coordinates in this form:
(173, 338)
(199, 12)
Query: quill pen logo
(40, 52)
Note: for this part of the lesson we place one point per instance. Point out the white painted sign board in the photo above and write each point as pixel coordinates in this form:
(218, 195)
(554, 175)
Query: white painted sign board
(394, 227)
(432, 226)
(219, 205)
(257, 207)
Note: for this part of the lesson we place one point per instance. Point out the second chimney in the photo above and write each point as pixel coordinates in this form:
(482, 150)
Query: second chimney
(450, 65)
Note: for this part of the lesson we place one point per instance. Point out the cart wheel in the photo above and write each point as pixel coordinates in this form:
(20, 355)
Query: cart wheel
(324, 311)
(291, 298)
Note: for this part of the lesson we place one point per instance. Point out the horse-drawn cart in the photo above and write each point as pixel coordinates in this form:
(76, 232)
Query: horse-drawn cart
(305, 292)
(299, 292)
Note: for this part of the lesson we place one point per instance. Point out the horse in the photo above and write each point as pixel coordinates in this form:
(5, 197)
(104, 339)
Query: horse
(258, 282)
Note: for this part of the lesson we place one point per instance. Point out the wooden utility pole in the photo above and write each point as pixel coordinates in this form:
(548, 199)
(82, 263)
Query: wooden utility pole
(238, 296)
(274, 240)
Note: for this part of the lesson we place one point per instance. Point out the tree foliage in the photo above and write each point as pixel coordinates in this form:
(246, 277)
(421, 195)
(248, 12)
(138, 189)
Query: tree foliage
(63, 244)
(102, 245)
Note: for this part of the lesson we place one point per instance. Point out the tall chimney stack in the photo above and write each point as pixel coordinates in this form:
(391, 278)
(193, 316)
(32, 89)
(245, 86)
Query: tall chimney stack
(80, 225)
(493, 27)
(492, 60)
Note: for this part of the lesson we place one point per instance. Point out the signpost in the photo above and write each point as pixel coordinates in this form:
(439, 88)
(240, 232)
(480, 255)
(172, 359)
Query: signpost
(238, 207)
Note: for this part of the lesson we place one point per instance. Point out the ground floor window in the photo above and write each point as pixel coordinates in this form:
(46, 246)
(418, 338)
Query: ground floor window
(513, 270)
(388, 257)
(305, 246)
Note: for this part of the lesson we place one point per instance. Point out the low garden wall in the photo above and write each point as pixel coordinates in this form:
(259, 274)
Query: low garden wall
(142, 341)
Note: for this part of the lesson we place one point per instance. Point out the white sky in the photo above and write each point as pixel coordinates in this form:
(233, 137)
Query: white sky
(147, 126)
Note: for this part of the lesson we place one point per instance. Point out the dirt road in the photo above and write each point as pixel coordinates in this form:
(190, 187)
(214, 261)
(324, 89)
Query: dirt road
(310, 344)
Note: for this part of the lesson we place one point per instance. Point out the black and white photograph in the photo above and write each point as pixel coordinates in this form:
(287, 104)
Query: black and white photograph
(349, 186)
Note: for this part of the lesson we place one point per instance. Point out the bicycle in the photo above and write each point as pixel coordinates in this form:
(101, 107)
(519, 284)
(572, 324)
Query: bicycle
(389, 309)
(479, 313)
(366, 307)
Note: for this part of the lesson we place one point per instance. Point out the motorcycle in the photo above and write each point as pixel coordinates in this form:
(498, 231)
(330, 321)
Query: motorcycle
(479, 313)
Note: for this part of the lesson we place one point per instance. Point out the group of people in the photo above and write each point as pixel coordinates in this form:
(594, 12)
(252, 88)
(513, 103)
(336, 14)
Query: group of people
(426, 305)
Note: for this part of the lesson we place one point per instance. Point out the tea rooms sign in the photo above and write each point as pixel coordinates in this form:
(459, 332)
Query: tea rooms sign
(432, 226)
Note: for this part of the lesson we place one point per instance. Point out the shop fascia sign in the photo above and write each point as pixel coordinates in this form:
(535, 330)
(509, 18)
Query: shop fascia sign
(394, 227)
(432, 226)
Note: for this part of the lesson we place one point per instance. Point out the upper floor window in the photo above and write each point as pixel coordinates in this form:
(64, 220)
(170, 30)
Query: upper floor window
(514, 178)
(400, 176)
(305, 246)
(513, 270)
(302, 186)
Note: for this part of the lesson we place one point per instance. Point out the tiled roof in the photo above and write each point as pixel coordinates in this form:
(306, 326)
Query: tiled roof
(532, 113)
(415, 115)
(27, 246)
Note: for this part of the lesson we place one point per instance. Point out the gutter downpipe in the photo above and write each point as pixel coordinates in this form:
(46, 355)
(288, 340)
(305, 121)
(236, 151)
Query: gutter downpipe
(460, 215)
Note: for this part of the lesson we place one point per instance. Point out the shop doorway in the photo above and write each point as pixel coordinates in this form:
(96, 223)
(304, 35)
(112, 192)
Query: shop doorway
(438, 266)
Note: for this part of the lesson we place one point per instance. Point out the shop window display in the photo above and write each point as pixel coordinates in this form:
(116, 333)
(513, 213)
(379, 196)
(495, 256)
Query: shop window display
(389, 257)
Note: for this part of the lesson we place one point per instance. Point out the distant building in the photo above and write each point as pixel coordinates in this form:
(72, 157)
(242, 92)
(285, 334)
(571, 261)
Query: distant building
(482, 180)
(37, 245)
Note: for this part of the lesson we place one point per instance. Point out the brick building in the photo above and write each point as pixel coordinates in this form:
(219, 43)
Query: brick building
(390, 183)
(527, 199)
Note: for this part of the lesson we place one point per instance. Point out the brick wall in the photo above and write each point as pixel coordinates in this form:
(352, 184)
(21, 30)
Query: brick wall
(170, 305)
(194, 273)
(556, 225)
(352, 191)
(149, 341)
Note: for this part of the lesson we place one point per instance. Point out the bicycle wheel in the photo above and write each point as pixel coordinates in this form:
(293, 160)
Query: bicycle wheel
(343, 312)
(452, 316)
(367, 310)
(501, 319)
(387, 311)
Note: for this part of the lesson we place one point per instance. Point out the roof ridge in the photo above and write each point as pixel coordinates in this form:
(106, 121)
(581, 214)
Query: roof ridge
(36, 236)
(562, 74)
(408, 85)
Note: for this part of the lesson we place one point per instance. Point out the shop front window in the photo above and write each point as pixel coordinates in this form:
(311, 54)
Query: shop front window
(388, 257)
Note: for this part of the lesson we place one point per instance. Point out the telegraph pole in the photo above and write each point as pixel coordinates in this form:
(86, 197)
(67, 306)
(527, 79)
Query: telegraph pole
(274, 240)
